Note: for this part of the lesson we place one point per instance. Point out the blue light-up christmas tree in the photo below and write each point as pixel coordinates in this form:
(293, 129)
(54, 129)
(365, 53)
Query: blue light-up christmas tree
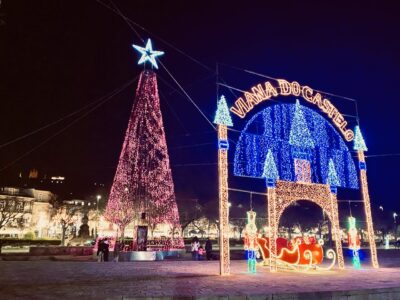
(359, 143)
(222, 116)
(299, 134)
(333, 179)
(270, 171)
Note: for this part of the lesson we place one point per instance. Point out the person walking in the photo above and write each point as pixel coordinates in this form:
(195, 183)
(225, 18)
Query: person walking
(106, 248)
(100, 250)
(208, 247)
(117, 249)
(195, 248)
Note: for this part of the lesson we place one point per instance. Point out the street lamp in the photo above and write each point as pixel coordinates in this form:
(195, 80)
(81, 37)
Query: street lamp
(98, 197)
(395, 229)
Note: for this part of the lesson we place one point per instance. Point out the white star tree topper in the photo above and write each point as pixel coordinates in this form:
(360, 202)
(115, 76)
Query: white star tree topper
(148, 54)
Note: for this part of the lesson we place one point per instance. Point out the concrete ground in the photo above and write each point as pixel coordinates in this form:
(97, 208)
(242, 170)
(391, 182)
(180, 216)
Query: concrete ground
(92, 280)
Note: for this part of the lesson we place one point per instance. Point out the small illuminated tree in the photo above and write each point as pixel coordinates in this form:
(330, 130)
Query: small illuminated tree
(121, 212)
(66, 216)
(11, 211)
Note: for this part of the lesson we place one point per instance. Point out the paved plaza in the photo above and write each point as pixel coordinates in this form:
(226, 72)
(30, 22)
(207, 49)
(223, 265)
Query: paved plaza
(92, 280)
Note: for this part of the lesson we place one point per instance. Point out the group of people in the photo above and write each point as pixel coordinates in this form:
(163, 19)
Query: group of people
(103, 250)
(198, 251)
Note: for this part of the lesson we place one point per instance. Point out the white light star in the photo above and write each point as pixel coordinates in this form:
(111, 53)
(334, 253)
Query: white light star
(148, 54)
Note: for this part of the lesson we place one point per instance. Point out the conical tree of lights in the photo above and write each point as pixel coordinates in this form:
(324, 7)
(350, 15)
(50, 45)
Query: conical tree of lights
(143, 180)
(270, 170)
(333, 179)
(299, 134)
(359, 143)
(222, 116)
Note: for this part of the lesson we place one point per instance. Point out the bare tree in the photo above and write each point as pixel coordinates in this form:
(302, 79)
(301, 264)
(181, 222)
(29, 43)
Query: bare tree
(11, 210)
(66, 216)
(189, 211)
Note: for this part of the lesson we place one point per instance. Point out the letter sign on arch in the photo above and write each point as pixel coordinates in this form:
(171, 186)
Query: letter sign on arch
(260, 93)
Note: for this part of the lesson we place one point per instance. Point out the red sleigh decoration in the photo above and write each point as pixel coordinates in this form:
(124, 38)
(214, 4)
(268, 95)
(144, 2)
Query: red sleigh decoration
(299, 252)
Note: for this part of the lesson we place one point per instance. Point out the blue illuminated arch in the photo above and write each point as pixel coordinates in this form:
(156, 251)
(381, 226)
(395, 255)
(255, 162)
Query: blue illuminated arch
(270, 129)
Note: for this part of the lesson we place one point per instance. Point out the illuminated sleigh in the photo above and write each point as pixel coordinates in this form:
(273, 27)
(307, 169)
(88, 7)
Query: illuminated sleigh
(301, 254)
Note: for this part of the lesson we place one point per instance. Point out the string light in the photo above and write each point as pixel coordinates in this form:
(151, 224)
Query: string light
(354, 242)
(271, 129)
(250, 241)
(222, 116)
(143, 179)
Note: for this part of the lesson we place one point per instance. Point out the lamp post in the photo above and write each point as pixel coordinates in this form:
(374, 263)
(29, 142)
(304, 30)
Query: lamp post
(395, 229)
(98, 197)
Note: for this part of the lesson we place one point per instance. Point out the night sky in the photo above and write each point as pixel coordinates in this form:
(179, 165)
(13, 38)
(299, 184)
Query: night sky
(59, 56)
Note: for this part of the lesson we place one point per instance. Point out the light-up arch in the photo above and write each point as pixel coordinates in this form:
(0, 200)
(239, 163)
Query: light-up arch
(309, 168)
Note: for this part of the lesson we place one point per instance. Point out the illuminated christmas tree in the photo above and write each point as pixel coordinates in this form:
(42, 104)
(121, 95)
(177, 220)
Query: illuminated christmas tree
(359, 143)
(333, 179)
(222, 116)
(299, 134)
(143, 186)
(270, 172)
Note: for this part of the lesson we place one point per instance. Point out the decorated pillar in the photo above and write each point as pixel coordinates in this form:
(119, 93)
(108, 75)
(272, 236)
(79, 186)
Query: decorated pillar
(270, 173)
(360, 146)
(333, 181)
(272, 224)
(336, 228)
(223, 119)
